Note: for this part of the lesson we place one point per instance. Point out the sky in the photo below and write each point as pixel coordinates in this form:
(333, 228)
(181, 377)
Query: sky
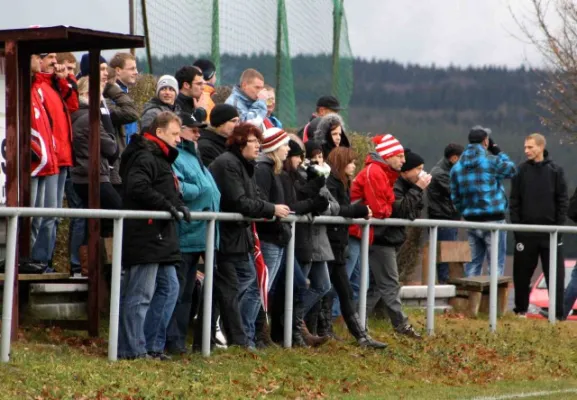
(443, 32)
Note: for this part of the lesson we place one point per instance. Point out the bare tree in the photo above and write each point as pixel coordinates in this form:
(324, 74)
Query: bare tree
(557, 43)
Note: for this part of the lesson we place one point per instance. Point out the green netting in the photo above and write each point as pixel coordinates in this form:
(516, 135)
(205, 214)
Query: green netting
(300, 46)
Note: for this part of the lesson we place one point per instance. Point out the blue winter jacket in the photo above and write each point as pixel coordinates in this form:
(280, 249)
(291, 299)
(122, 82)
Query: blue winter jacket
(248, 109)
(199, 192)
(477, 191)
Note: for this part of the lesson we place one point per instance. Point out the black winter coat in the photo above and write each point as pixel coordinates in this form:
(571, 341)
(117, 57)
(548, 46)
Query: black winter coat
(186, 105)
(539, 194)
(271, 190)
(234, 176)
(210, 145)
(408, 205)
(440, 205)
(339, 234)
(148, 183)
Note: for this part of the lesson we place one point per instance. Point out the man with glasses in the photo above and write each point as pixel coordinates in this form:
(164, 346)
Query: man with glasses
(223, 120)
(124, 64)
(190, 89)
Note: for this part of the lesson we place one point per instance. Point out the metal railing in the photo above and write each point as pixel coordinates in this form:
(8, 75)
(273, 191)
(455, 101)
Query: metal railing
(119, 215)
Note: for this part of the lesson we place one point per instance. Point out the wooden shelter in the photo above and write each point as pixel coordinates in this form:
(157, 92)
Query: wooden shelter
(18, 45)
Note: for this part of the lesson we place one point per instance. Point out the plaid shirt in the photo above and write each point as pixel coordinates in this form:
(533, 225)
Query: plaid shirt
(476, 188)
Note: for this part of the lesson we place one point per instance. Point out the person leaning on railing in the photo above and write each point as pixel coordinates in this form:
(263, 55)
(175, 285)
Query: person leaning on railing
(150, 249)
(235, 278)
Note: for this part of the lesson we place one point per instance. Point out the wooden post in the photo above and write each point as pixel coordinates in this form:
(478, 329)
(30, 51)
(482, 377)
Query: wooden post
(94, 250)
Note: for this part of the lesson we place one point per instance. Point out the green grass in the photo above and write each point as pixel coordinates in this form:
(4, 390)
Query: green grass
(463, 360)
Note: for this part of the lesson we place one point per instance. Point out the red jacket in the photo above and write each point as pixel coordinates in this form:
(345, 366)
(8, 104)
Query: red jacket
(373, 186)
(42, 145)
(59, 111)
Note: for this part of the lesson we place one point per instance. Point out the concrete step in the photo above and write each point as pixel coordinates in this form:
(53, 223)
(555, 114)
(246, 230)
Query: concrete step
(58, 311)
(58, 301)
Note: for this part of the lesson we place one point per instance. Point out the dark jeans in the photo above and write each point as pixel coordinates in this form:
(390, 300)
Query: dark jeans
(178, 327)
(109, 200)
(445, 235)
(570, 293)
(77, 226)
(528, 250)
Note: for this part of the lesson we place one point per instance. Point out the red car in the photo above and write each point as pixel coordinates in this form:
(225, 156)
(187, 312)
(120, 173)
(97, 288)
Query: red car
(539, 298)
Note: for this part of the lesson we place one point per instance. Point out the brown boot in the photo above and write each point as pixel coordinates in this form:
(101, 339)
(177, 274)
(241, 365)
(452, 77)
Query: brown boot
(313, 340)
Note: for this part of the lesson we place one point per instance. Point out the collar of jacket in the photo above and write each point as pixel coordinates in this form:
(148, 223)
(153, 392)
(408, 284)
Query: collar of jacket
(209, 88)
(169, 152)
(122, 85)
(248, 165)
(185, 99)
(376, 159)
(238, 91)
(446, 164)
(44, 77)
(406, 185)
(187, 145)
(264, 159)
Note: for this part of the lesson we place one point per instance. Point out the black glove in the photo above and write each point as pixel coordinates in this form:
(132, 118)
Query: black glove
(312, 173)
(186, 212)
(320, 204)
(493, 148)
(174, 212)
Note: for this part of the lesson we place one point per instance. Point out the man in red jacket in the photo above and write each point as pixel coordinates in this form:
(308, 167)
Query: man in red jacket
(59, 98)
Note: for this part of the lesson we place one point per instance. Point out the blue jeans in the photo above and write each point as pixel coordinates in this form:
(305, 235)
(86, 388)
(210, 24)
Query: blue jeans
(445, 235)
(570, 293)
(273, 258)
(77, 225)
(37, 188)
(353, 268)
(318, 274)
(480, 242)
(46, 239)
(248, 297)
(148, 296)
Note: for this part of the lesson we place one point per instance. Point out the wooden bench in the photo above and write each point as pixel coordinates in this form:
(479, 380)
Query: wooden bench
(456, 254)
(473, 294)
(55, 276)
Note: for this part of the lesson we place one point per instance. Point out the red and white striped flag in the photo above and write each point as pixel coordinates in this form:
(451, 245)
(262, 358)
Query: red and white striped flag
(261, 270)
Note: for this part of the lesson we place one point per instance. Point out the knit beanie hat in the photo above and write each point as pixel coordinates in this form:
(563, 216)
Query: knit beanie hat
(312, 148)
(387, 145)
(273, 138)
(412, 160)
(295, 149)
(166, 81)
(85, 65)
(222, 113)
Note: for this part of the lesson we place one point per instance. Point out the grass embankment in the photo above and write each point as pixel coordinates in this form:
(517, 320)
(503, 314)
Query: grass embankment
(463, 360)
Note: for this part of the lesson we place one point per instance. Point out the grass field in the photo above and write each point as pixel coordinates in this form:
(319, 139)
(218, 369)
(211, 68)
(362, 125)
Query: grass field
(462, 361)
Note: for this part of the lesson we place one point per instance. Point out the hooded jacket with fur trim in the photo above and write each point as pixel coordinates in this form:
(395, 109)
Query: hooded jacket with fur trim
(322, 134)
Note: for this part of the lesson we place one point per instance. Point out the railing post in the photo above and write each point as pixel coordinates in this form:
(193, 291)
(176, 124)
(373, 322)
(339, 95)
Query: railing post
(208, 283)
(289, 288)
(553, 277)
(364, 275)
(494, 277)
(115, 289)
(7, 300)
(431, 280)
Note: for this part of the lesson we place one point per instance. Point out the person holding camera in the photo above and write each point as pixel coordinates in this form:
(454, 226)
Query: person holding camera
(478, 194)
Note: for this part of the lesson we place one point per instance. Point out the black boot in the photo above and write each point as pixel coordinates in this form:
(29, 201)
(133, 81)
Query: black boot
(363, 339)
(312, 318)
(325, 320)
(297, 336)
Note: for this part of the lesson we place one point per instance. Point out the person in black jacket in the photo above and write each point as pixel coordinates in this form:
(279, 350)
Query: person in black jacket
(538, 196)
(235, 277)
(190, 87)
(342, 162)
(150, 249)
(212, 142)
(439, 203)
(408, 204)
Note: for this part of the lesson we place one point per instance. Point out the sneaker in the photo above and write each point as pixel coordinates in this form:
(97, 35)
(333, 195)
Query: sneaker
(409, 331)
(159, 356)
(369, 342)
(523, 315)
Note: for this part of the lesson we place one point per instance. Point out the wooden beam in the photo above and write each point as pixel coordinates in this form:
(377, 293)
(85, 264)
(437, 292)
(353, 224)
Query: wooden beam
(94, 250)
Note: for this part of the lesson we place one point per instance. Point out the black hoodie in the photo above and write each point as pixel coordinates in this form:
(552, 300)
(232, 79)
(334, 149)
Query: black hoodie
(539, 194)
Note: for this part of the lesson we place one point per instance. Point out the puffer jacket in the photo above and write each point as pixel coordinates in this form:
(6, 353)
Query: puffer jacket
(408, 205)
(440, 205)
(148, 183)
(248, 109)
(199, 193)
(42, 145)
(81, 144)
(151, 109)
(322, 133)
(476, 184)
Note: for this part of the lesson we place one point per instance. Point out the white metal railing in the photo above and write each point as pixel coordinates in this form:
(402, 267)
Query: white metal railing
(119, 215)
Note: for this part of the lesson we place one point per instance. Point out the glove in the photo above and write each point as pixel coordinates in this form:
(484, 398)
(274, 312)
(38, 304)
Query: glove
(186, 212)
(174, 212)
(312, 173)
(320, 204)
(493, 148)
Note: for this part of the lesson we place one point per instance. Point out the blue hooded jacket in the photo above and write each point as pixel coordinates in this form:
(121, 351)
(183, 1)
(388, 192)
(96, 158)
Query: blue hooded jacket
(477, 190)
(249, 110)
(199, 193)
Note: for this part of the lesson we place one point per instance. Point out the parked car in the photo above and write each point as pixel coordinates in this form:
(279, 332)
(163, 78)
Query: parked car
(539, 298)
